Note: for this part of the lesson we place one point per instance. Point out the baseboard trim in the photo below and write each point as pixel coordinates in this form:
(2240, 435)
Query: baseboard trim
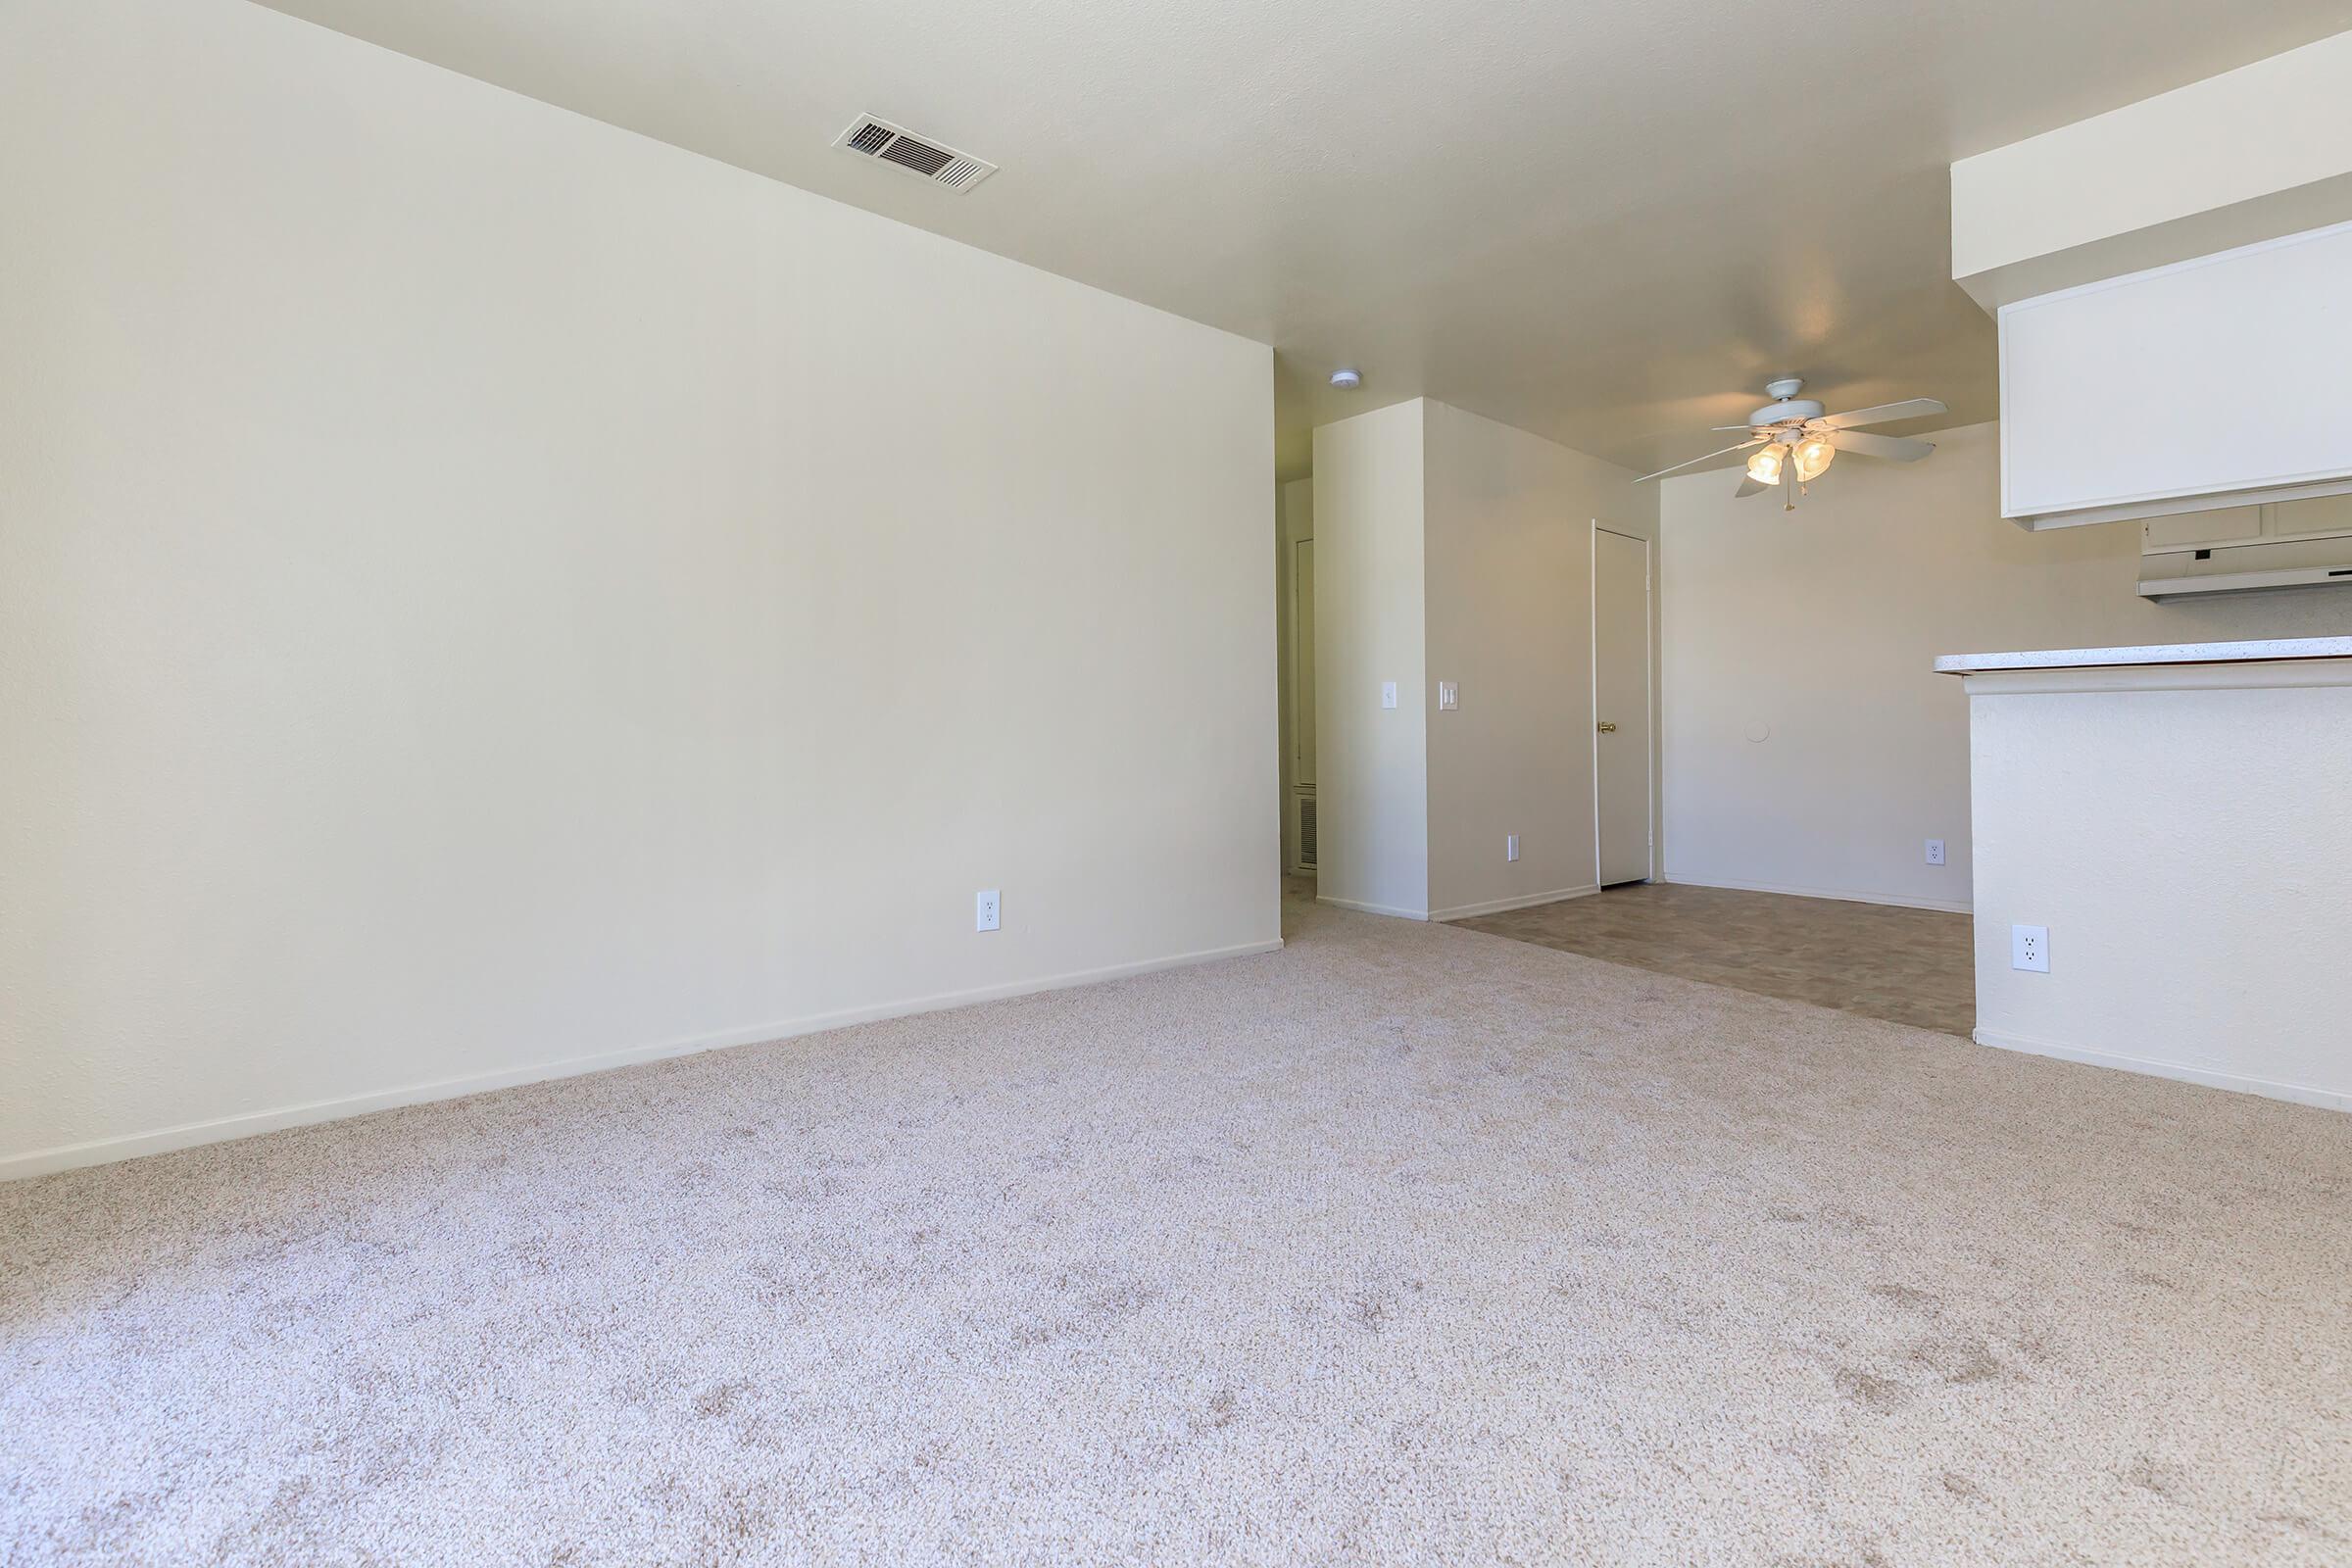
(2297, 1094)
(1842, 895)
(226, 1129)
(1525, 900)
(1361, 907)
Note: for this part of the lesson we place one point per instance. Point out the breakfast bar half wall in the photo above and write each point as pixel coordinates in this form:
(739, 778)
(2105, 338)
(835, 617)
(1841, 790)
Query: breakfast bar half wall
(2168, 831)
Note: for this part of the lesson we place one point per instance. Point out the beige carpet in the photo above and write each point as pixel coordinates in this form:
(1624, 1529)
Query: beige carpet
(1405, 1245)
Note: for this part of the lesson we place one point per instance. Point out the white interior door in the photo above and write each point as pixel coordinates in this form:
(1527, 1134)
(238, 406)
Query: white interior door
(1621, 783)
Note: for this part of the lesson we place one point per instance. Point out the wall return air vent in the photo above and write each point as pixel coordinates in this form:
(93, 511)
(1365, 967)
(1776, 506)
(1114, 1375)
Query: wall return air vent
(881, 141)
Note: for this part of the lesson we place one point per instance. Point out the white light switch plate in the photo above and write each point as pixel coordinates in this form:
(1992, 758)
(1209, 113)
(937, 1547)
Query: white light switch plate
(1388, 694)
(2029, 947)
(1448, 694)
(1510, 845)
(1935, 851)
(985, 917)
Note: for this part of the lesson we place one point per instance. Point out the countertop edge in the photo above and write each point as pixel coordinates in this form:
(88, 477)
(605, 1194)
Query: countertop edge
(2240, 652)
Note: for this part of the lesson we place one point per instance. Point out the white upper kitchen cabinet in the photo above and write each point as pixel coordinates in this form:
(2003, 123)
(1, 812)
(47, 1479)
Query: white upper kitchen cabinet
(2219, 382)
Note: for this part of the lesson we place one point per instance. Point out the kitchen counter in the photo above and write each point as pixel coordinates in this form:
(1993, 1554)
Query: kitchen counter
(2264, 652)
(2162, 861)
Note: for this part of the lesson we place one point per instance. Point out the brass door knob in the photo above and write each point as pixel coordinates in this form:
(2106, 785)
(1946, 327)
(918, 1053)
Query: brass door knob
(1607, 726)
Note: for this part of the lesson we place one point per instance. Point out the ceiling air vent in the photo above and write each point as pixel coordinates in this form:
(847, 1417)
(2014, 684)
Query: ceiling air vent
(941, 166)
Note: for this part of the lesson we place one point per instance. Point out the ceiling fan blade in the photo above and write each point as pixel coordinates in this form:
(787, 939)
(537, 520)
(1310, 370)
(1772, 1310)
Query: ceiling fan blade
(1899, 447)
(1750, 487)
(1882, 413)
(1695, 462)
(1733, 430)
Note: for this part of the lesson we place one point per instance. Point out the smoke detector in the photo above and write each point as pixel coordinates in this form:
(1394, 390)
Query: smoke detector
(918, 156)
(1346, 380)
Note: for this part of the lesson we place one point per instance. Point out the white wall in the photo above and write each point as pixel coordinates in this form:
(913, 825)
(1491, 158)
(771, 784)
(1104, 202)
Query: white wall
(2182, 835)
(1449, 547)
(1818, 628)
(486, 595)
(1509, 618)
(1371, 763)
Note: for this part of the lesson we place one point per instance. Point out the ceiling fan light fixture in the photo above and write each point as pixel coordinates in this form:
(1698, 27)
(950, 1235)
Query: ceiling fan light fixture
(1791, 441)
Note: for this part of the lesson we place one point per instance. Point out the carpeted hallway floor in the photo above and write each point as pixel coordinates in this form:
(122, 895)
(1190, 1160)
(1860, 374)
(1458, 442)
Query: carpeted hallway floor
(1405, 1245)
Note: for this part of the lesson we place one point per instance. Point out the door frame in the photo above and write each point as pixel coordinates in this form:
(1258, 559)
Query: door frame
(1302, 697)
(1649, 690)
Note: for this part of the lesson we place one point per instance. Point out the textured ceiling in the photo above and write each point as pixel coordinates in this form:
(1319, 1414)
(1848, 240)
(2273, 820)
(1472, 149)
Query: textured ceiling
(1604, 220)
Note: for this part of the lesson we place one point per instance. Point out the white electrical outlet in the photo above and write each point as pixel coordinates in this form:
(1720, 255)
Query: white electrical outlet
(985, 916)
(1388, 694)
(2029, 947)
(1935, 851)
(1448, 694)
(1510, 845)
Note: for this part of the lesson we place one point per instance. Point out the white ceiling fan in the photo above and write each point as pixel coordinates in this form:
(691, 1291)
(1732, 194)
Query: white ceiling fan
(1792, 440)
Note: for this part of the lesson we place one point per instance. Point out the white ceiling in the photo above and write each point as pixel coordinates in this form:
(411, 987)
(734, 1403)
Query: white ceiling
(1604, 220)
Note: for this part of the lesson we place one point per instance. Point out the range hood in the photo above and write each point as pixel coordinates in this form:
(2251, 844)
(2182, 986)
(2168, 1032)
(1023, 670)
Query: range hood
(2246, 549)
